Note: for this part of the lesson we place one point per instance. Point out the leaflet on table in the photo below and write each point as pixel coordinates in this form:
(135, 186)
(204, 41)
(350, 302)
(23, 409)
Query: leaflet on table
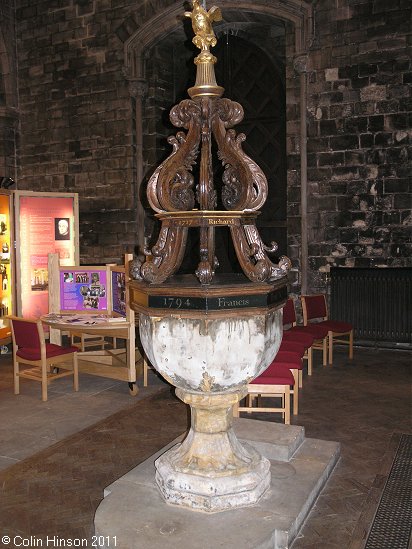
(86, 319)
(83, 289)
(76, 319)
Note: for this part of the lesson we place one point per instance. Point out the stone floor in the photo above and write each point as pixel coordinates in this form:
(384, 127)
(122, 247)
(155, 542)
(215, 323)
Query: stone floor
(29, 425)
(362, 404)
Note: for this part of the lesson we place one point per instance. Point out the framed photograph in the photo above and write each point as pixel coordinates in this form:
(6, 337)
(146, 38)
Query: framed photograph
(62, 228)
(82, 278)
(68, 277)
(95, 278)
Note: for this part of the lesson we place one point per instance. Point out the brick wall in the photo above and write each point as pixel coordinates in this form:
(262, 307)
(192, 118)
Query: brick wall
(360, 130)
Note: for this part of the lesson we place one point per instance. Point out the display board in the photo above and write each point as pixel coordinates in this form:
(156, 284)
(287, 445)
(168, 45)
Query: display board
(45, 223)
(84, 289)
(118, 293)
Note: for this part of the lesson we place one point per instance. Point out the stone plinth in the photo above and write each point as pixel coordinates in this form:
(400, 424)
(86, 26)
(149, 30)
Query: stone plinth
(211, 470)
(135, 512)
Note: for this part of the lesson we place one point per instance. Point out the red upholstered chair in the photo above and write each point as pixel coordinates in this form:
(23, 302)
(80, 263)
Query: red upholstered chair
(30, 347)
(319, 335)
(292, 345)
(275, 381)
(289, 313)
(302, 339)
(293, 361)
(314, 309)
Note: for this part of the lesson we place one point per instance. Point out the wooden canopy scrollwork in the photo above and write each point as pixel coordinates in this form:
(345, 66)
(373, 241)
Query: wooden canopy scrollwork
(181, 203)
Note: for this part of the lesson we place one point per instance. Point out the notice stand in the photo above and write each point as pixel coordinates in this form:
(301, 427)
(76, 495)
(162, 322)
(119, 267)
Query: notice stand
(44, 223)
(94, 300)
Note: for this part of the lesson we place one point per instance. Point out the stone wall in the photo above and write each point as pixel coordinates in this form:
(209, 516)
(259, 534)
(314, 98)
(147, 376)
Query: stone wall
(76, 117)
(78, 127)
(293, 149)
(8, 91)
(360, 130)
(158, 101)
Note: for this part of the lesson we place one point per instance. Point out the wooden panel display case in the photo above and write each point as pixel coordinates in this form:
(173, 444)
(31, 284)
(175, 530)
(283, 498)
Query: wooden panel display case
(6, 264)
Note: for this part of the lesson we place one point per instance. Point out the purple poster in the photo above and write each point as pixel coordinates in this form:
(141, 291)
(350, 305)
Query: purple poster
(83, 289)
(119, 293)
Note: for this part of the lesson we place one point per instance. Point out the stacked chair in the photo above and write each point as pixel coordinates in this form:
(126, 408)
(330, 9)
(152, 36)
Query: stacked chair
(283, 377)
(275, 381)
(315, 316)
(296, 336)
(293, 361)
(299, 340)
(318, 333)
(296, 351)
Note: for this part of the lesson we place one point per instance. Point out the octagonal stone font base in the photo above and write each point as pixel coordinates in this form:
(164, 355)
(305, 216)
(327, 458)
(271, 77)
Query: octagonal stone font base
(210, 342)
(211, 470)
(211, 355)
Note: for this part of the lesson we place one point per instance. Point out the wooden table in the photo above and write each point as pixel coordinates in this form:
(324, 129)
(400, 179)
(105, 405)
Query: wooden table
(123, 364)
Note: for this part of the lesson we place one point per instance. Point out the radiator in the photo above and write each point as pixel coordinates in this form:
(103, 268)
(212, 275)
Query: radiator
(377, 301)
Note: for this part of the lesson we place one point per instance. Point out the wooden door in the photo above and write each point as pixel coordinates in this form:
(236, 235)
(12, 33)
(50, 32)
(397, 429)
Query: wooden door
(256, 81)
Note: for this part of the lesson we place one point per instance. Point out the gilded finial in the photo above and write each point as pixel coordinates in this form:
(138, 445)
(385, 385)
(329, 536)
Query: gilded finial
(202, 25)
(205, 38)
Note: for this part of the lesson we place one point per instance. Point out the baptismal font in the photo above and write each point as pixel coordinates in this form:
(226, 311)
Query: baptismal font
(208, 334)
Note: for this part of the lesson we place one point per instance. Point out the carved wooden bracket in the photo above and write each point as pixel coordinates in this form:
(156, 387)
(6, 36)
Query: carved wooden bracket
(181, 203)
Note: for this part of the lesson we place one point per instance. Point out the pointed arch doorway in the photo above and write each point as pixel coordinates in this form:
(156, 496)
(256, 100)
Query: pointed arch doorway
(257, 81)
(143, 28)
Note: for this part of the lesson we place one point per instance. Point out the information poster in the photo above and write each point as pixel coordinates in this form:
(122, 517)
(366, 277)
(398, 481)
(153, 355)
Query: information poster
(46, 226)
(83, 289)
(119, 293)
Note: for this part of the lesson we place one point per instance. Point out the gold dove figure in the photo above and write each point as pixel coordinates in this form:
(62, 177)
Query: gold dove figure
(202, 25)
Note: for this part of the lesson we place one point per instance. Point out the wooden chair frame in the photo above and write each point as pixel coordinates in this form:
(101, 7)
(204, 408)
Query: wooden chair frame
(322, 345)
(41, 370)
(333, 337)
(264, 390)
(308, 356)
(87, 341)
(297, 376)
